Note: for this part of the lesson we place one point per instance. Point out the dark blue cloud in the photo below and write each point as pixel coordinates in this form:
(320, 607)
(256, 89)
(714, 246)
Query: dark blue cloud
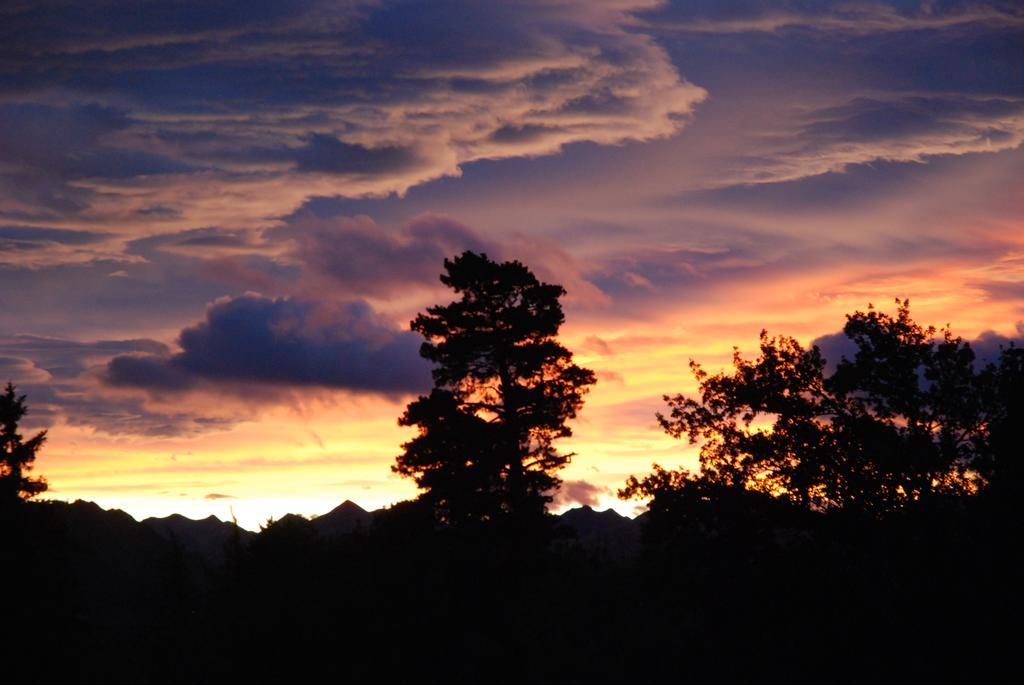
(873, 119)
(150, 371)
(833, 16)
(785, 49)
(144, 291)
(50, 42)
(987, 347)
(58, 376)
(198, 240)
(49, 137)
(65, 359)
(66, 143)
(254, 339)
(893, 128)
(38, 235)
(82, 404)
(519, 134)
(644, 274)
(329, 155)
(48, 148)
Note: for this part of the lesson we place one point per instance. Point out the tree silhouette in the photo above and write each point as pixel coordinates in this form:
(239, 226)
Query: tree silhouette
(907, 420)
(17, 455)
(1003, 466)
(503, 391)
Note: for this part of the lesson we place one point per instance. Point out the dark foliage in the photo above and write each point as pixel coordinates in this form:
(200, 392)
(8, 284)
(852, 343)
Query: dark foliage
(873, 536)
(758, 594)
(909, 421)
(503, 390)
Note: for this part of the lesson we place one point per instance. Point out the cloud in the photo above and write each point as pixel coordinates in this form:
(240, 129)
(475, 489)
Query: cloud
(301, 264)
(356, 256)
(283, 341)
(660, 269)
(20, 371)
(835, 347)
(852, 18)
(214, 117)
(175, 105)
(80, 401)
(987, 347)
(596, 345)
(133, 416)
(579, 492)
(60, 378)
(327, 154)
(217, 495)
(200, 241)
(50, 150)
(34, 247)
(34, 235)
(134, 387)
(67, 359)
(892, 128)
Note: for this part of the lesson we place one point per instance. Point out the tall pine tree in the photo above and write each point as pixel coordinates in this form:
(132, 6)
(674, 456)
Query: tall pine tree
(17, 455)
(504, 389)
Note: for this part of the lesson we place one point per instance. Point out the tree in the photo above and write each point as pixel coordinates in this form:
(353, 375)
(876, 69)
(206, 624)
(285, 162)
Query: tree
(1003, 465)
(504, 389)
(907, 420)
(17, 456)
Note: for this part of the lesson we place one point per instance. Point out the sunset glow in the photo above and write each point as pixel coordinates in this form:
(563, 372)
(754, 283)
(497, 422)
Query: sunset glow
(214, 233)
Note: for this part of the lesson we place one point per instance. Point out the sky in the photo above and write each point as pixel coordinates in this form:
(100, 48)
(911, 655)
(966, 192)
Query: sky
(218, 218)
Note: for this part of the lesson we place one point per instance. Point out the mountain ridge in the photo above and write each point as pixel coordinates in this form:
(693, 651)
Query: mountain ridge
(206, 539)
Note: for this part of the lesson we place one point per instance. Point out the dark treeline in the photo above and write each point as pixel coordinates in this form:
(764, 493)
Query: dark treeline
(854, 519)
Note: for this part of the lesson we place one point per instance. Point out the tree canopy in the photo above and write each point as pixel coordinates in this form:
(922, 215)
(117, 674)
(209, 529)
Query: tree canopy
(504, 389)
(911, 418)
(17, 455)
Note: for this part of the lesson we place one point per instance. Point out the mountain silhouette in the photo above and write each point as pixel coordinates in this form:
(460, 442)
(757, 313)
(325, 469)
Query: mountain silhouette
(118, 567)
(607, 531)
(205, 538)
(129, 601)
(342, 520)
